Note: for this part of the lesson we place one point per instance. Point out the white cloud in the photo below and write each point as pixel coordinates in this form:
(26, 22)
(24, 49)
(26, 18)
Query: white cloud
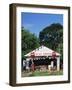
(27, 25)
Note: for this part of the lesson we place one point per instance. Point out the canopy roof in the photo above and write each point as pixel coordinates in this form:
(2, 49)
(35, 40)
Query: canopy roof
(42, 51)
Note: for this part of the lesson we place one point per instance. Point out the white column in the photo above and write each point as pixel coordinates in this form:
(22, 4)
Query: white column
(52, 64)
(58, 63)
(49, 67)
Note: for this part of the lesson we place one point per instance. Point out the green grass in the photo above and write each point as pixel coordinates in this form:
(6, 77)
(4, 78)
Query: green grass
(42, 73)
(46, 73)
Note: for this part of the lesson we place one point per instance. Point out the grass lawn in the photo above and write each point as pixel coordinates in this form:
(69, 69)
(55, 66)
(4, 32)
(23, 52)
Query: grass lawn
(44, 73)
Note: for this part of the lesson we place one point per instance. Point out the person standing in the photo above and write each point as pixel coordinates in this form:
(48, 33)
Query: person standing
(30, 63)
(24, 65)
(33, 66)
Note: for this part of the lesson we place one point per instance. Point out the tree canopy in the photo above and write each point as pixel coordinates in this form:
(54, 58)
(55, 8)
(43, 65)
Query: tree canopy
(29, 41)
(52, 37)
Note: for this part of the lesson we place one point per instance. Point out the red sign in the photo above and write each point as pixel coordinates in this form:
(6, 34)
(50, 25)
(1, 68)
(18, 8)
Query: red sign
(32, 54)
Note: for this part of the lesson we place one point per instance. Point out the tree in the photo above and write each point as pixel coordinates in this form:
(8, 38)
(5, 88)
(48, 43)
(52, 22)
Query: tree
(52, 37)
(29, 41)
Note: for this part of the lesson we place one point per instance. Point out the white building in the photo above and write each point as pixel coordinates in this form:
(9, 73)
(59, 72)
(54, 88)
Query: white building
(44, 52)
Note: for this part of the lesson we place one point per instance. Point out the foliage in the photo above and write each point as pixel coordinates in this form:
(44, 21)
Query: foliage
(52, 37)
(29, 41)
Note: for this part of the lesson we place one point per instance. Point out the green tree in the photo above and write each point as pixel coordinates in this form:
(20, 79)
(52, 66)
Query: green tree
(29, 41)
(52, 37)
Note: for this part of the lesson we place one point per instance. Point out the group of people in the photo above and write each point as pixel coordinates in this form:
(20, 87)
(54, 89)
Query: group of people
(28, 65)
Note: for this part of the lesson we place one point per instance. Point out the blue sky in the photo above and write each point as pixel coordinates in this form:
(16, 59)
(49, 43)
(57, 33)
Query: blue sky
(36, 22)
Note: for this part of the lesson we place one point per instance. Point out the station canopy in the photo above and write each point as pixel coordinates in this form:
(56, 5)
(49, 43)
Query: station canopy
(42, 51)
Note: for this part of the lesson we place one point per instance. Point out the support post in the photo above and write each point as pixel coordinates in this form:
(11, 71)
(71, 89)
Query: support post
(58, 63)
(52, 64)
